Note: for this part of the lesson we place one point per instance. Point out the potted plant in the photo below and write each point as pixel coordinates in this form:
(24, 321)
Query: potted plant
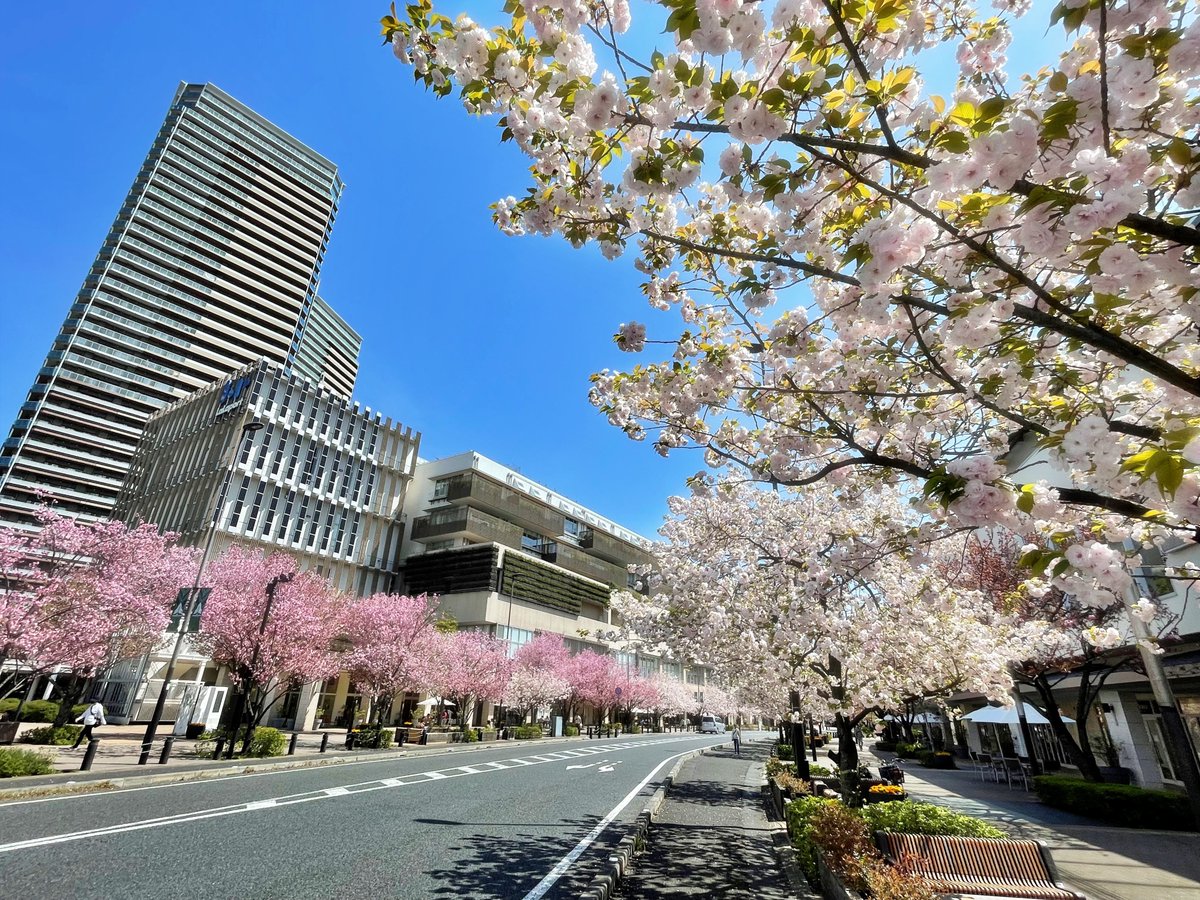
(194, 730)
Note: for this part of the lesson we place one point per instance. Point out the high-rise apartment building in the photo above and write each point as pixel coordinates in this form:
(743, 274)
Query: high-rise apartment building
(212, 263)
(329, 348)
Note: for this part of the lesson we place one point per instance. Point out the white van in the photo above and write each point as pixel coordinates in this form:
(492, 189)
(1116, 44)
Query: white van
(711, 725)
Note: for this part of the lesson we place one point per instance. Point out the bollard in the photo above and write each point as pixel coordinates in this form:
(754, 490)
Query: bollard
(324, 741)
(292, 743)
(89, 754)
(166, 750)
(145, 755)
(220, 747)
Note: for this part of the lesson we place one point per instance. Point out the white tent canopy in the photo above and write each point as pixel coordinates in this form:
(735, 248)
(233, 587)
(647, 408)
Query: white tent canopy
(1007, 715)
(434, 701)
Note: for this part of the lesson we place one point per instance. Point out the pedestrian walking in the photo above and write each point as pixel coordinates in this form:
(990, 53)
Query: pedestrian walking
(91, 717)
(737, 740)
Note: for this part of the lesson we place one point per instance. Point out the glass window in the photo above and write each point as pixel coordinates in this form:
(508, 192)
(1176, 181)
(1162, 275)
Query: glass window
(441, 488)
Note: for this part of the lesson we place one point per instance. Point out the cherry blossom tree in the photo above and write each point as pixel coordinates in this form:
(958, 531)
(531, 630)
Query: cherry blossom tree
(593, 678)
(673, 697)
(800, 592)
(1071, 649)
(83, 596)
(636, 693)
(538, 677)
(884, 268)
(393, 646)
(466, 666)
(272, 626)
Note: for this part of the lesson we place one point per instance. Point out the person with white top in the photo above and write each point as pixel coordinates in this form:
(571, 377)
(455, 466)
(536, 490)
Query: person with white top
(91, 717)
(737, 739)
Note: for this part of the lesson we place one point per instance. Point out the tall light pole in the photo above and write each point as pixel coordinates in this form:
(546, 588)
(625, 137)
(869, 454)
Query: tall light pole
(508, 627)
(248, 429)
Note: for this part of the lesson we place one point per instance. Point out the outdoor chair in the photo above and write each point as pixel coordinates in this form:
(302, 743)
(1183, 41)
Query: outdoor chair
(1014, 769)
(983, 765)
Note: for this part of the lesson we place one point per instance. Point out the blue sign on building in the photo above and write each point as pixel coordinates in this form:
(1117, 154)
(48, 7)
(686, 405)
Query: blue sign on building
(231, 392)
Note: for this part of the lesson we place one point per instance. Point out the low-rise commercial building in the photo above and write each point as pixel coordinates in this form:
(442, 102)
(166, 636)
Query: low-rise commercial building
(267, 459)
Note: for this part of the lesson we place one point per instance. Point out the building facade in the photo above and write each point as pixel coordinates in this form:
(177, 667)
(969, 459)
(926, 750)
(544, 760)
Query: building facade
(513, 558)
(269, 460)
(1126, 721)
(212, 262)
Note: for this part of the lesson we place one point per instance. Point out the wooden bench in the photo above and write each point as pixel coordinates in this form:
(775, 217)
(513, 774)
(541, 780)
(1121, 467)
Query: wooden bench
(995, 867)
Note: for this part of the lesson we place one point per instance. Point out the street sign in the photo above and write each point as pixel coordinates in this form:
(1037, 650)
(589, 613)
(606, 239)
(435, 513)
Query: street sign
(180, 607)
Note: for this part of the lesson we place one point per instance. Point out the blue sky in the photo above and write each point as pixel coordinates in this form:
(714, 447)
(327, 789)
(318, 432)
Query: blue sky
(477, 340)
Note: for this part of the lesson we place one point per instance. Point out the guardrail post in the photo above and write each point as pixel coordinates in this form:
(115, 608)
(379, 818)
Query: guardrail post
(166, 750)
(324, 741)
(292, 743)
(220, 748)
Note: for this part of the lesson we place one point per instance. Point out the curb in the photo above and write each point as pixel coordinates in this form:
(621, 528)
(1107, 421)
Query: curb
(620, 862)
(94, 785)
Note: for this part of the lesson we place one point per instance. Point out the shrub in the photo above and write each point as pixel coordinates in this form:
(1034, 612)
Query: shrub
(776, 765)
(37, 710)
(817, 771)
(886, 746)
(799, 815)
(797, 786)
(15, 763)
(1121, 804)
(909, 751)
(913, 817)
(371, 737)
(48, 734)
(844, 840)
(784, 751)
(571, 731)
(527, 732)
(268, 742)
(938, 760)
(887, 882)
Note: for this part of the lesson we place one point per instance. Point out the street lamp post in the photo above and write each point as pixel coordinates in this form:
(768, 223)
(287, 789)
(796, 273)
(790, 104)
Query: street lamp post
(508, 630)
(248, 429)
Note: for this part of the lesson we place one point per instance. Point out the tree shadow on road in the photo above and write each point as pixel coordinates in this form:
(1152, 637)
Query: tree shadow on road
(511, 863)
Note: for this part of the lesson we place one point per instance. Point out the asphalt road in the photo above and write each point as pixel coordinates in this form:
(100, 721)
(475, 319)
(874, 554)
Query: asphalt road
(503, 821)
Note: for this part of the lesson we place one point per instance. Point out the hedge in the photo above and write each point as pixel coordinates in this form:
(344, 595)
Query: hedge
(48, 734)
(1120, 804)
(37, 710)
(14, 763)
(267, 742)
(938, 760)
(527, 732)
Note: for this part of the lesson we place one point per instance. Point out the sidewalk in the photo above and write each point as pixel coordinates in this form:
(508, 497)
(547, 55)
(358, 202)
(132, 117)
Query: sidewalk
(1104, 862)
(711, 837)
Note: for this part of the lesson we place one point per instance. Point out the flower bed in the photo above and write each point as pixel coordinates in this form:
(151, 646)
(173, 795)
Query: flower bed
(826, 832)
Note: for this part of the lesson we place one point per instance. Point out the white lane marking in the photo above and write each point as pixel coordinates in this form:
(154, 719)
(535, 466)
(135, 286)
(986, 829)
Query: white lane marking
(565, 863)
(605, 769)
(276, 803)
(588, 766)
(298, 770)
(469, 770)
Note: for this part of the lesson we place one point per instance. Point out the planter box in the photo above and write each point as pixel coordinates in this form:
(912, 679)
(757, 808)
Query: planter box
(1110, 774)
(8, 732)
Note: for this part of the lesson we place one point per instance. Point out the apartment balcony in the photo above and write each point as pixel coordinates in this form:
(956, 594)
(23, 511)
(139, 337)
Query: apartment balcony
(471, 489)
(468, 523)
(610, 548)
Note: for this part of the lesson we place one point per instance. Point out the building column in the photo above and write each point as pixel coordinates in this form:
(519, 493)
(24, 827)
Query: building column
(306, 706)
